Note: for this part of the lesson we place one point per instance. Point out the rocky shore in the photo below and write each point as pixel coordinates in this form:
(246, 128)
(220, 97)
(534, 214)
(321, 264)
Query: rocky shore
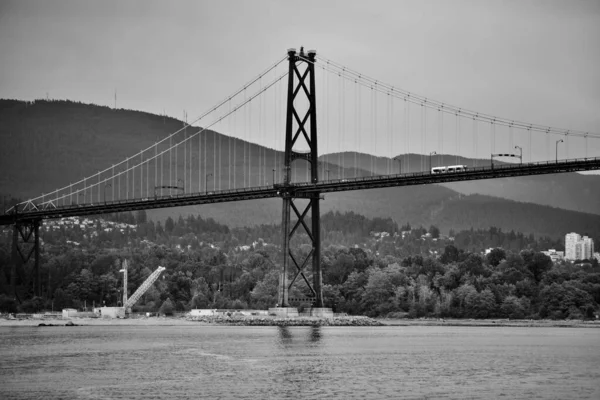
(527, 323)
(299, 321)
(277, 321)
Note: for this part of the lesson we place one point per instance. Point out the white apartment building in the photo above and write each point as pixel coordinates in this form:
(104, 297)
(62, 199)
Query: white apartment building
(577, 247)
(554, 255)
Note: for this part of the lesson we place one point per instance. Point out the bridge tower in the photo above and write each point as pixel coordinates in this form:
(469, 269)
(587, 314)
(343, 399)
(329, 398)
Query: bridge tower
(301, 124)
(26, 248)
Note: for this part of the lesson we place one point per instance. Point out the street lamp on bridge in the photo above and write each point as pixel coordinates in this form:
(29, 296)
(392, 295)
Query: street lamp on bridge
(206, 182)
(273, 176)
(430, 157)
(182, 185)
(520, 153)
(557, 142)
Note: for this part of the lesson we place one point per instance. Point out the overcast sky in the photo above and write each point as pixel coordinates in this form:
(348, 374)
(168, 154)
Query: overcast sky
(534, 61)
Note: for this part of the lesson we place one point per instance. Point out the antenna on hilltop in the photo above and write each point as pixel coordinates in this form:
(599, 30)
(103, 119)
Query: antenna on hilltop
(115, 98)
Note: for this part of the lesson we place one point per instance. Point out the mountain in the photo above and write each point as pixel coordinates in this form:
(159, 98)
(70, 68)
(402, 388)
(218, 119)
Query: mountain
(47, 144)
(570, 191)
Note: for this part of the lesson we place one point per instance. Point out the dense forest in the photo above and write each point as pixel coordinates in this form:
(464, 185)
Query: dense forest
(370, 267)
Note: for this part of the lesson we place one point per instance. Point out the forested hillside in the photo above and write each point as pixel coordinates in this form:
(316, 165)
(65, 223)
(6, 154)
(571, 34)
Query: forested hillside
(370, 266)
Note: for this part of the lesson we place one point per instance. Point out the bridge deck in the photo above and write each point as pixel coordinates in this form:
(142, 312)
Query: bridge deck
(33, 212)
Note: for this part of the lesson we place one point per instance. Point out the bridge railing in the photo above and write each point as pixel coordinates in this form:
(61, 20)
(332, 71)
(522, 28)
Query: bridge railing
(29, 206)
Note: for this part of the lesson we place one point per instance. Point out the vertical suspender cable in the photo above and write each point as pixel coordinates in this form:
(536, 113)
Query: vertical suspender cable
(245, 128)
(190, 162)
(184, 151)
(147, 175)
(390, 138)
(339, 107)
(343, 127)
(423, 136)
(441, 133)
(529, 147)
(356, 128)
(475, 140)
(228, 147)
(214, 177)
(392, 152)
(249, 144)
(259, 135)
(327, 118)
(457, 139)
(219, 152)
(548, 157)
(204, 134)
(199, 162)
(407, 131)
(360, 130)
(372, 128)
(234, 145)
(127, 183)
(374, 170)
(493, 136)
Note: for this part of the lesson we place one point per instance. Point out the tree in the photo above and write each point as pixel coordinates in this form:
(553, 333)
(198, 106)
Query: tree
(7, 304)
(512, 308)
(495, 256)
(167, 307)
(379, 295)
(480, 305)
(264, 293)
(566, 301)
(141, 217)
(434, 231)
(539, 264)
(338, 271)
(169, 225)
(450, 255)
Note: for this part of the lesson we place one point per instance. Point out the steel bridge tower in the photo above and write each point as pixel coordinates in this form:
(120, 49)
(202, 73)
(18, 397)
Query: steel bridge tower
(26, 251)
(301, 123)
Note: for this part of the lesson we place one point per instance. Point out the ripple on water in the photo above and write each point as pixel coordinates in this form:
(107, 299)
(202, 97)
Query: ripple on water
(159, 362)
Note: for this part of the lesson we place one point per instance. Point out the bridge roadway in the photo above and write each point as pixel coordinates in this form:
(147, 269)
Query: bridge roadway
(306, 189)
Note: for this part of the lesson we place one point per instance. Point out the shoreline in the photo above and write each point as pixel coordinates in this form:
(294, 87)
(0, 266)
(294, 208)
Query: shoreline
(524, 323)
(299, 321)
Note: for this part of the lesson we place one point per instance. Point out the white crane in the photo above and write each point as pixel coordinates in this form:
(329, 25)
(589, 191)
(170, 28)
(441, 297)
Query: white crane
(128, 303)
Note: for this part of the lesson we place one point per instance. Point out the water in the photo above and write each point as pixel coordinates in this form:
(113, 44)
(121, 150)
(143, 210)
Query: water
(219, 362)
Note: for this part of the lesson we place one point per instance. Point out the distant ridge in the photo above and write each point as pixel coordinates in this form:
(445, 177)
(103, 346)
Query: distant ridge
(52, 143)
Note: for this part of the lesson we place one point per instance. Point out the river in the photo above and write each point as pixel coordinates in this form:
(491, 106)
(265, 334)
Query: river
(223, 362)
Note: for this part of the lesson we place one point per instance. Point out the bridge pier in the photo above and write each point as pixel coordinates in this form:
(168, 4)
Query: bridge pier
(26, 247)
(304, 120)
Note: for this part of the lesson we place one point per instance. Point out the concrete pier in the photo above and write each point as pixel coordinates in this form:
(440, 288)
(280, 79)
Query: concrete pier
(285, 312)
(321, 312)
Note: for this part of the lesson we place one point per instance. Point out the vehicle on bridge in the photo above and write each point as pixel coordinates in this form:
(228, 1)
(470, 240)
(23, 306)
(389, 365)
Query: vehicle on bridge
(448, 169)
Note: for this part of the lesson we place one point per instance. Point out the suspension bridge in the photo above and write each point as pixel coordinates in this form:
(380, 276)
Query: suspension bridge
(261, 142)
